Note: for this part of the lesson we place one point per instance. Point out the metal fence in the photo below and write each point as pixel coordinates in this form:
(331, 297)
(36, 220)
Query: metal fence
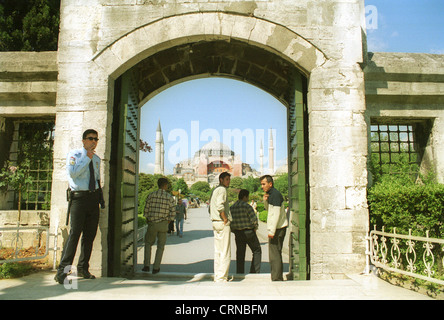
(419, 257)
(12, 242)
(141, 232)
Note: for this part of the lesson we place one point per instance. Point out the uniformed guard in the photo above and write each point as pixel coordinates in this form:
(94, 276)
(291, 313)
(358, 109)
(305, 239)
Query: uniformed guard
(83, 169)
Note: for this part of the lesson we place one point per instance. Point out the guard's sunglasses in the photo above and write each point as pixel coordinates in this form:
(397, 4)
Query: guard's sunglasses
(91, 139)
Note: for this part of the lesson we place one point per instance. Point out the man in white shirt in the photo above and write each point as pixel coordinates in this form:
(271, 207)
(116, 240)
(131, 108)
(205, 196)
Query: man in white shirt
(221, 219)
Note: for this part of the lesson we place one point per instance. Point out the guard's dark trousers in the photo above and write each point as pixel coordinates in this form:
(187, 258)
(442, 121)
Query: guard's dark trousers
(84, 220)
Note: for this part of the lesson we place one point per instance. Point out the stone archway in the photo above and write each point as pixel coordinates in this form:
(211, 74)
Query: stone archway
(328, 98)
(173, 31)
(195, 56)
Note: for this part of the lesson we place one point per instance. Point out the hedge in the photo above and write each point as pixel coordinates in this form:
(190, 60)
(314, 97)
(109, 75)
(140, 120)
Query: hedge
(419, 207)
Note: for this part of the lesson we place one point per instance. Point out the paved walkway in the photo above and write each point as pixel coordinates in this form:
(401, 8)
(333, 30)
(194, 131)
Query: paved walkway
(186, 274)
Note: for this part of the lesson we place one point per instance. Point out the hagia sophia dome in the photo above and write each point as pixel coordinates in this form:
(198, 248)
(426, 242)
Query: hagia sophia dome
(215, 148)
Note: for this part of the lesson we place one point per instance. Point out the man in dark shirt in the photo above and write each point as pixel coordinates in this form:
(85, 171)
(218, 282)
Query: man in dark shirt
(244, 226)
(276, 225)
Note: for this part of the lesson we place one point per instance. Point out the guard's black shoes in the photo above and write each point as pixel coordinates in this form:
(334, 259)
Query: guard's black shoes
(60, 277)
(85, 274)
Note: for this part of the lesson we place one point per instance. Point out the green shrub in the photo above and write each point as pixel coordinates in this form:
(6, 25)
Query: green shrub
(263, 215)
(260, 206)
(14, 270)
(398, 202)
(407, 206)
(141, 220)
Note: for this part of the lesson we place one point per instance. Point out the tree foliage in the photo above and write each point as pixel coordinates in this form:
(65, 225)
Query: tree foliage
(181, 185)
(29, 25)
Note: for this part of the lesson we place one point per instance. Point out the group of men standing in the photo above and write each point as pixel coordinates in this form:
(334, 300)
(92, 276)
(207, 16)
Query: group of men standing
(241, 219)
(83, 169)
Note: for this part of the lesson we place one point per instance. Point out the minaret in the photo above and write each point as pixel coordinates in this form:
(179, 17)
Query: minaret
(261, 158)
(158, 150)
(162, 157)
(271, 153)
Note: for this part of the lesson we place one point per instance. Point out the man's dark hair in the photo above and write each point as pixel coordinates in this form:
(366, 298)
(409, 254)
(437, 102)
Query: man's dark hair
(243, 193)
(161, 182)
(268, 177)
(87, 132)
(223, 175)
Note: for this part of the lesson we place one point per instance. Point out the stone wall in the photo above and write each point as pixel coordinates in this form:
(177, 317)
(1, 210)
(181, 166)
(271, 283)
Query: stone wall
(28, 83)
(9, 219)
(409, 87)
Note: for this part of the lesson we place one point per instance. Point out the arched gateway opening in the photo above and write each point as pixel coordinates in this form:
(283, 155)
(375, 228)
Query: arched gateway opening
(146, 69)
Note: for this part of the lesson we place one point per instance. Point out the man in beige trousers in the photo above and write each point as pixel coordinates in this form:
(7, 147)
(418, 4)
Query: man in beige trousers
(221, 219)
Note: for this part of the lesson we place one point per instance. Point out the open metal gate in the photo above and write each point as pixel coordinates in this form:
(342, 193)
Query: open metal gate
(298, 186)
(124, 170)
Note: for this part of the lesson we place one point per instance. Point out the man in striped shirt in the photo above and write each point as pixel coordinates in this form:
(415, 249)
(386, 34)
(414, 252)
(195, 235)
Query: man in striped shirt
(244, 226)
(160, 209)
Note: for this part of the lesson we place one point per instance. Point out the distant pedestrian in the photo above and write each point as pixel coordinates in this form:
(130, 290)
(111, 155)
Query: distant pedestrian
(181, 214)
(253, 204)
(159, 210)
(221, 219)
(276, 226)
(244, 226)
(171, 227)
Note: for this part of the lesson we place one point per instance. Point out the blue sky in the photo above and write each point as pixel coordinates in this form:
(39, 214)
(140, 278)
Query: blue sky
(407, 26)
(193, 112)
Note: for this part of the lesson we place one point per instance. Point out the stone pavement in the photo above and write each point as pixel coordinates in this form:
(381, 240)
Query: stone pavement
(201, 287)
(186, 274)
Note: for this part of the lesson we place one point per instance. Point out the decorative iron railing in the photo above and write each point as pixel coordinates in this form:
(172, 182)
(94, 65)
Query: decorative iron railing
(419, 257)
(13, 246)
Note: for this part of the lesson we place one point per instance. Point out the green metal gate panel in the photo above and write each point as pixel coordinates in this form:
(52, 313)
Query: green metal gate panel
(125, 217)
(298, 191)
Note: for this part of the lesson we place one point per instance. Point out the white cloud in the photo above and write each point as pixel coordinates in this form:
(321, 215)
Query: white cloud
(376, 43)
(437, 51)
(149, 168)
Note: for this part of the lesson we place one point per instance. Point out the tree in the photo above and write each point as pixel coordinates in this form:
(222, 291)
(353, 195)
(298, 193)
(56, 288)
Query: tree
(281, 183)
(251, 184)
(29, 25)
(182, 186)
(201, 186)
(236, 183)
(16, 178)
(144, 146)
